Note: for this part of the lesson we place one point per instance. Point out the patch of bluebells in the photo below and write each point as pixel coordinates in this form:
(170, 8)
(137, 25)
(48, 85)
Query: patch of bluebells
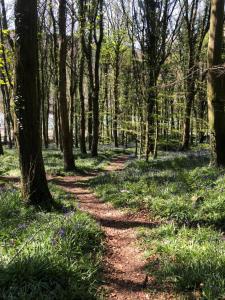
(62, 232)
(2, 188)
(69, 214)
(22, 226)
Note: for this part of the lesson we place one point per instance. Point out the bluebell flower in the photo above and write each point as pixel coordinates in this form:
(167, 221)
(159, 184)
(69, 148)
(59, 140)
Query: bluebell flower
(22, 226)
(62, 232)
(54, 242)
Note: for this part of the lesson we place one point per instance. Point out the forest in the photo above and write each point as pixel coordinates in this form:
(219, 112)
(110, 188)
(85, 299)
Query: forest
(112, 149)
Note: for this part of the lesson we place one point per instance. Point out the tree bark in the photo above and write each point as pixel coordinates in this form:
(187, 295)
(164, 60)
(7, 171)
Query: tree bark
(27, 106)
(82, 108)
(216, 80)
(63, 106)
(116, 97)
(1, 147)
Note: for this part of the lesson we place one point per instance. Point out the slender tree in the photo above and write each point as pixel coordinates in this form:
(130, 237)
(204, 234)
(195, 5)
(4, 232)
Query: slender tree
(63, 105)
(92, 13)
(196, 23)
(1, 147)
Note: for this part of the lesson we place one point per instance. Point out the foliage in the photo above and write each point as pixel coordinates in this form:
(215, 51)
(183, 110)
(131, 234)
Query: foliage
(9, 165)
(168, 188)
(190, 259)
(47, 256)
(186, 194)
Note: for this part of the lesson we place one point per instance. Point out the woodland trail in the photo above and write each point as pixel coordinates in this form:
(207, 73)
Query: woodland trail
(124, 275)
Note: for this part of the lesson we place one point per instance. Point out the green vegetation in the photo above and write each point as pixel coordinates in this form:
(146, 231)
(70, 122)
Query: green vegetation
(9, 165)
(178, 187)
(191, 259)
(186, 196)
(53, 255)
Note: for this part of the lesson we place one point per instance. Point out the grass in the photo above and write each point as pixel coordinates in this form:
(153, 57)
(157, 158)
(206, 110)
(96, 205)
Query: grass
(186, 252)
(53, 158)
(188, 258)
(187, 196)
(178, 187)
(53, 255)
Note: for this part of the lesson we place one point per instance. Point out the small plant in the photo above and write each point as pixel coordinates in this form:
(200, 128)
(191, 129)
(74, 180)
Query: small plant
(190, 259)
(53, 255)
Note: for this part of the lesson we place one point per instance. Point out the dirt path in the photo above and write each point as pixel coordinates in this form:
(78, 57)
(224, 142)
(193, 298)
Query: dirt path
(123, 264)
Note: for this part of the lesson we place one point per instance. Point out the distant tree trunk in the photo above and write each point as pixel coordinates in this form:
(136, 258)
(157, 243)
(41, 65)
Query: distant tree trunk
(1, 148)
(189, 100)
(82, 108)
(116, 97)
(196, 32)
(7, 112)
(27, 106)
(216, 84)
(55, 51)
(98, 42)
(90, 104)
(81, 90)
(5, 25)
(73, 76)
(94, 35)
(6, 41)
(63, 106)
(106, 99)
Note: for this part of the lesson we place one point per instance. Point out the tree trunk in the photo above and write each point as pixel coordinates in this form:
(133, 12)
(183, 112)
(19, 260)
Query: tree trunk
(27, 106)
(116, 99)
(98, 26)
(82, 108)
(189, 100)
(63, 106)
(216, 80)
(1, 147)
(150, 118)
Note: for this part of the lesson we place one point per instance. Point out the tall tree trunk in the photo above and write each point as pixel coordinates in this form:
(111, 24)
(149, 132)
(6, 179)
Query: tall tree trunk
(116, 98)
(90, 104)
(1, 147)
(106, 98)
(152, 96)
(63, 105)
(98, 26)
(216, 84)
(189, 99)
(27, 106)
(55, 52)
(82, 108)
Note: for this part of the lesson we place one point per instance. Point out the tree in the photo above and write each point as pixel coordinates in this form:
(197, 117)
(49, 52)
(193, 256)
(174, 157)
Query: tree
(7, 53)
(1, 148)
(196, 24)
(155, 36)
(216, 84)
(91, 13)
(27, 106)
(67, 142)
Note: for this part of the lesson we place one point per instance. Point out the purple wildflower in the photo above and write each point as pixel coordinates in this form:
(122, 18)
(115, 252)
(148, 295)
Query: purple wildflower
(54, 242)
(62, 232)
(22, 226)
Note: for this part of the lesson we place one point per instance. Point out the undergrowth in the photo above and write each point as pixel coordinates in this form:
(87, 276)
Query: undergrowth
(190, 259)
(43, 255)
(53, 159)
(188, 196)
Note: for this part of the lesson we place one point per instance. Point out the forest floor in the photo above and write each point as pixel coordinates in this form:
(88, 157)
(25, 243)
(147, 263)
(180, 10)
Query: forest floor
(124, 262)
(163, 224)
